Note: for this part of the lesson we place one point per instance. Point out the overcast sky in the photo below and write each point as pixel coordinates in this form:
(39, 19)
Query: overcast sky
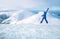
(17, 4)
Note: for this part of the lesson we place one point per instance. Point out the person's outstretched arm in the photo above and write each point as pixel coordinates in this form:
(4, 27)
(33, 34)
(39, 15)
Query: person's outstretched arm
(47, 10)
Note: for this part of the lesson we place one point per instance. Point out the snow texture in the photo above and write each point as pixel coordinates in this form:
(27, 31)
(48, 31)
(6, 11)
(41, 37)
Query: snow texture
(29, 31)
(30, 27)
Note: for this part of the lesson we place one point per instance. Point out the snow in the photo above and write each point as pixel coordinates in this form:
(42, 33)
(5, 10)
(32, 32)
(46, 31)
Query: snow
(35, 19)
(30, 28)
(29, 31)
(25, 24)
(14, 16)
(25, 17)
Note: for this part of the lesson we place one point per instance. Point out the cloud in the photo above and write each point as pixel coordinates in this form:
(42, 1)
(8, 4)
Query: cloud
(16, 4)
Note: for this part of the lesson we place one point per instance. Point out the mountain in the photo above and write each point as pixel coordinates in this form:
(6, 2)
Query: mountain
(35, 19)
(30, 27)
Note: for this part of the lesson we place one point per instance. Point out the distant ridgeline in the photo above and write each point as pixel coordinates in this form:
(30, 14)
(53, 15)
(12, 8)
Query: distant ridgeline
(55, 13)
(7, 10)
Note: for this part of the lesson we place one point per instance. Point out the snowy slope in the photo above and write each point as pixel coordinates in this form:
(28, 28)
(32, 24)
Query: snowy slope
(25, 17)
(29, 31)
(18, 15)
(32, 19)
(30, 28)
(13, 17)
(35, 19)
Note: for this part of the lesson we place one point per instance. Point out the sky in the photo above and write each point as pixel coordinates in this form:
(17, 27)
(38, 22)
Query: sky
(39, 4)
